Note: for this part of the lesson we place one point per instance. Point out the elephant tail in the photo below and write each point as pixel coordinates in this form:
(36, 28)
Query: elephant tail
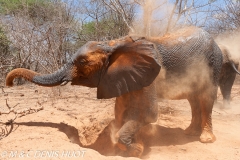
(234, 67)
(20, 72)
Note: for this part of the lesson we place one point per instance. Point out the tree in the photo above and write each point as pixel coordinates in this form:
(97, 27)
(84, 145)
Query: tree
(226, 18)
(105, 20)
(4, 54)
(4, 43)
(41, 34)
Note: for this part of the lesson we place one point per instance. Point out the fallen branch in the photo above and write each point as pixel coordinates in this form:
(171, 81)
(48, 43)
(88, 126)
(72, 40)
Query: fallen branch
(4, 132)
(21, 113)
(2, 89)
(216, 111)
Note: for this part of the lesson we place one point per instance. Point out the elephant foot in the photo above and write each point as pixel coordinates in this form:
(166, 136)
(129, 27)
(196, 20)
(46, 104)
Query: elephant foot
(121, 146)
(207, 137)
(193, 131)
(135, 150)
(226, 104)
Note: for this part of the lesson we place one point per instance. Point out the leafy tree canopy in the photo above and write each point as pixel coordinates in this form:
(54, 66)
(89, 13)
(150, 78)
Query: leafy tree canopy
(39, 11)
(13, 6)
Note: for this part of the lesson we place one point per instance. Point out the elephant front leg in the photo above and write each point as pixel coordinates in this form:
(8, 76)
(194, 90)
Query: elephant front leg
(132, 111)
(127, 140)
(126, 135)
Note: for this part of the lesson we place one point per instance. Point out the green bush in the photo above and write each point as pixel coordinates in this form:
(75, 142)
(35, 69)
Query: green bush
(13, 6)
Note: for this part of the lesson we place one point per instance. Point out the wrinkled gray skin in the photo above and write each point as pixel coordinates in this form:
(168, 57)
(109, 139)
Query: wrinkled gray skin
(228, 75)
(137, 71)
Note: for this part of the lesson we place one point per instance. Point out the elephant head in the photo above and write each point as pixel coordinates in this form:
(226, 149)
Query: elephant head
(114, 67)
(228, 74)
(228, 59)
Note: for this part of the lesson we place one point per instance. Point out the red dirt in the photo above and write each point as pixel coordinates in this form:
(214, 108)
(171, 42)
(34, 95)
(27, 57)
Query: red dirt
(74, 120)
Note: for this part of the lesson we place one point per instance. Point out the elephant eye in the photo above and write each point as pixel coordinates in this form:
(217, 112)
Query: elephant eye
(82, 61)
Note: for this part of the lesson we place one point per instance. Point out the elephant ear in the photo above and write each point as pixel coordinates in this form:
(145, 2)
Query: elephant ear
(132, 65)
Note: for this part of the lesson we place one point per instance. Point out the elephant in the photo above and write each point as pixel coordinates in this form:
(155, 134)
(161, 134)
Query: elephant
(140, 71)
(228, 74)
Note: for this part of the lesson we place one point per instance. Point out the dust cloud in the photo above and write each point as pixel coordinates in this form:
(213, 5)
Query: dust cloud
(175, 86)
(153, 18)
(153, 21)
(231, 42)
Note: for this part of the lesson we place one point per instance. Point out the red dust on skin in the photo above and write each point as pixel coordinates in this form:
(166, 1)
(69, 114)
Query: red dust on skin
(95, 62)
(174, 37)
(20, 72)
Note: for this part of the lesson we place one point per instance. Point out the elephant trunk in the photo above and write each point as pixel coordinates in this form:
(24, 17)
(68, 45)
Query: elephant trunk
(20, 72)
(48, 80)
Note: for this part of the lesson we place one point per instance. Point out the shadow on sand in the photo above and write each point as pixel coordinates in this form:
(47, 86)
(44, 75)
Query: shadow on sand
(152, 135)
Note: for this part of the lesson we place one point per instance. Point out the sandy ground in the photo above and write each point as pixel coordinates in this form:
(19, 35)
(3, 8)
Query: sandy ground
(73, 121)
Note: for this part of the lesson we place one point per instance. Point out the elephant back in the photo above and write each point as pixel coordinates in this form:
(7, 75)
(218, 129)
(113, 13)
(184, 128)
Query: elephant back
(188, 47)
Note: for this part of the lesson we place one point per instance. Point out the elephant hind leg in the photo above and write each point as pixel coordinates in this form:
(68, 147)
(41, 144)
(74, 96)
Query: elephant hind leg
(207, 135)
(195, 126)
(201, 123)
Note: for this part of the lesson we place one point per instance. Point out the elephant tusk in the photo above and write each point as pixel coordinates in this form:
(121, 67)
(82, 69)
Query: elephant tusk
(234, 67)
(64, 83)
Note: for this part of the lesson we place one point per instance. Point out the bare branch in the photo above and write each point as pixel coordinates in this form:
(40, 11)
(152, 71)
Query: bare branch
(18, 113)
